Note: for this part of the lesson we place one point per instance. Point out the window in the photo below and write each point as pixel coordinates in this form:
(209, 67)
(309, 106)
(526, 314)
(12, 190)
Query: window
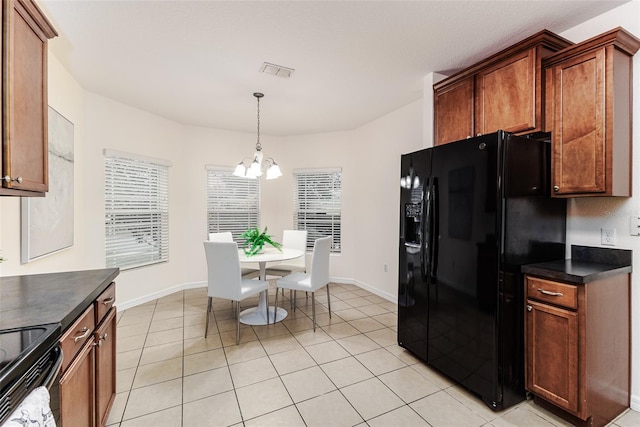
(233, 203)
(136, 210)
(317, 205)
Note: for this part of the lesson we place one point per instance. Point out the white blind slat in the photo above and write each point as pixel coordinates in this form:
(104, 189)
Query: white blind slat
(233, 203)
(318, 205)
(136, 211)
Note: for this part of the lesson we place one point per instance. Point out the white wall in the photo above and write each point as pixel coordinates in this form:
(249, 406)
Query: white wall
(328, 150)
(376, 219)
(66, 97)
(115, 126)
(587, 216)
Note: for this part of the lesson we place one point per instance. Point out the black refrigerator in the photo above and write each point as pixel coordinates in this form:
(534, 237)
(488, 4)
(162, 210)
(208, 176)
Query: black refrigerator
(471, 213)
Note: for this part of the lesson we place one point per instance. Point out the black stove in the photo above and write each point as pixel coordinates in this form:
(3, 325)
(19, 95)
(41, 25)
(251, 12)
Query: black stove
(26, 354)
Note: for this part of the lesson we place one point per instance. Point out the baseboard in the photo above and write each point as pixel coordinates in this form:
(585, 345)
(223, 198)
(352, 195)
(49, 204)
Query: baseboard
(168, 291)
(381, 294)
(155, 295)
(635, 402)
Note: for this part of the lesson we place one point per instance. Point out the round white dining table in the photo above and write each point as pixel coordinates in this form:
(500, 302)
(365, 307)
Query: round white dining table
(257, 315)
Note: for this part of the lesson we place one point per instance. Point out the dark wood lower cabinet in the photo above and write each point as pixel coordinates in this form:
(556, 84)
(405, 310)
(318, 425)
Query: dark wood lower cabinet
(577, 347)
(88, 382)
(105, 339)
(76, 390)
(553, 354)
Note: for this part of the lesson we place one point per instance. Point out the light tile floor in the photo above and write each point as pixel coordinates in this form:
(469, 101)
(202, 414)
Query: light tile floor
(350, 372)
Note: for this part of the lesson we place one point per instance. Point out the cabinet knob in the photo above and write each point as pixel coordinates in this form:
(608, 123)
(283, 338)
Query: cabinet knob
(556, 188)
(479, 134)
(7, 178)
(529, 308)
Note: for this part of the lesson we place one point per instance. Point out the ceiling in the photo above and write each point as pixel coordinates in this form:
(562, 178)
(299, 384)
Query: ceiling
(198, 62)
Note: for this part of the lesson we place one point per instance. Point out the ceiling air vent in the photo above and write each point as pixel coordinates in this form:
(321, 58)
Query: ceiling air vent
(276, 70)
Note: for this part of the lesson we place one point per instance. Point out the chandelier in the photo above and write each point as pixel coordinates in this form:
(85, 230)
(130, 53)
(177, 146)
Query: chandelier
(259, 162)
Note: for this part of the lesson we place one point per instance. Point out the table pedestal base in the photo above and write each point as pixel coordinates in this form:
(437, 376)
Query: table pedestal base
(256, 315)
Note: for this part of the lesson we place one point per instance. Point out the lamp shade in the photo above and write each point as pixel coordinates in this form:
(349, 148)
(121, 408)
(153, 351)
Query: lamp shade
(240, 170)
(274, 171)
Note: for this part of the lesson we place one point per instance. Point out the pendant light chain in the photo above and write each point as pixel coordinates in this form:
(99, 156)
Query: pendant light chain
(258, 162)
(258, 145)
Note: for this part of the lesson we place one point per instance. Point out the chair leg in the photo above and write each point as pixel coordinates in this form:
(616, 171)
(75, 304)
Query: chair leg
(329, 300)
(266, 294)
(237, 322)
(209, 308)
(295, 297)
(275, 308)
(313, 309)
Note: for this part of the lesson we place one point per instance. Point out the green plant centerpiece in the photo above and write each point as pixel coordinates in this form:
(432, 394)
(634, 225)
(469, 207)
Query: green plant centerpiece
(255, 240)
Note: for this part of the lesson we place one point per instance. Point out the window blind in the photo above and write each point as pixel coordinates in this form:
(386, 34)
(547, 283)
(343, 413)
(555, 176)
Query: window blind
(233, 203)
(136, 211)
(317, 205)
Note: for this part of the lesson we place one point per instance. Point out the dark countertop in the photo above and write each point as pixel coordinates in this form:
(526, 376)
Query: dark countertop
(50, 298)
(586, 265)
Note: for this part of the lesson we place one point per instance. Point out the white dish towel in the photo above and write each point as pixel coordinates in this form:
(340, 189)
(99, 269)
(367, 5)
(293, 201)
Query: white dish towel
(33, 411)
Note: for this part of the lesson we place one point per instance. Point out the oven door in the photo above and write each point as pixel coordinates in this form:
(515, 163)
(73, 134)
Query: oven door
(32, 358)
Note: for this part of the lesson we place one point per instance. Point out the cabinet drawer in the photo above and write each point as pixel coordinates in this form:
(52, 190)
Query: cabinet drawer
(74, 338)
(557, 293)
(104, 302)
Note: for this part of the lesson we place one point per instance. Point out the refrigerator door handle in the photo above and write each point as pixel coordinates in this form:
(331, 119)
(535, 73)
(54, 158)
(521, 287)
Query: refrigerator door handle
(425, 244)
(433, 241)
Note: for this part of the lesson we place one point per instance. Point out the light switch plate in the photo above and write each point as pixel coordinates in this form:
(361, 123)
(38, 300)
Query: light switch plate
(608, 236)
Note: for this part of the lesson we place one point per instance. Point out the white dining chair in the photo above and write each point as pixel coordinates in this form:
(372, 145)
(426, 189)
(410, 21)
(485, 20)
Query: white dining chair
(316, 279)
(295, 239)
(226, 236)
(225, 281)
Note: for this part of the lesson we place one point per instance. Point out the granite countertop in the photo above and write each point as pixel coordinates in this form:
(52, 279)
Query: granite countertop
(586, 265)
(50, 298)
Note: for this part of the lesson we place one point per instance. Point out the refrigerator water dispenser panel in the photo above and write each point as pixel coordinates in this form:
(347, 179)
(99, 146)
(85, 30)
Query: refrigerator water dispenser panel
(412, 223)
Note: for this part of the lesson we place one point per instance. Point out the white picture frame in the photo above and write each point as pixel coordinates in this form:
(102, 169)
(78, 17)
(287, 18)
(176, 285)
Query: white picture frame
(47, 222)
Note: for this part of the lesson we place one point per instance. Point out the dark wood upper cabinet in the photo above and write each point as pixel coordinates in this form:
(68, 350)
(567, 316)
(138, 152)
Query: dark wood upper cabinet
(454, 111)
(588, 108)
(508, 95)
(24, 154)
(504, 91)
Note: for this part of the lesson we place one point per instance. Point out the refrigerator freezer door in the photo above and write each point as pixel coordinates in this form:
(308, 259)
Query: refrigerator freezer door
(463, 292)
(412, 288)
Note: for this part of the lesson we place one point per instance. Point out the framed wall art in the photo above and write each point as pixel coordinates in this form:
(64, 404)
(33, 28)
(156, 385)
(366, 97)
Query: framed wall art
(47, 222)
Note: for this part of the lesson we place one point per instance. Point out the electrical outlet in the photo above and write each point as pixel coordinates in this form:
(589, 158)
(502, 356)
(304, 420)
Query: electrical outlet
(386, 268)
(608, 236)
(635, 226)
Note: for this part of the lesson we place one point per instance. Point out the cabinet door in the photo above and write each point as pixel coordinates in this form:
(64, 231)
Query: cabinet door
(77, 390)
(507, 95)
(453, 115)
(105, 339)
(25, 153)
(552, 354)
(578, 112)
